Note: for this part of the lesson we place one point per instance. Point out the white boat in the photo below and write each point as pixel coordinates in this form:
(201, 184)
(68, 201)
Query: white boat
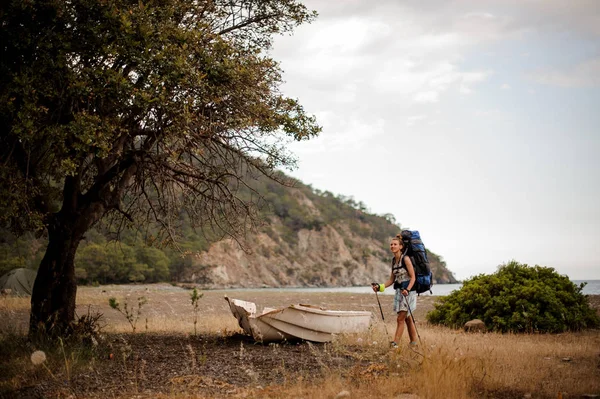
(305, 322)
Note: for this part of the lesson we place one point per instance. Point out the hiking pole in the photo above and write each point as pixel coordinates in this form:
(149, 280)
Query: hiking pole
(413, 318)
(381, 310)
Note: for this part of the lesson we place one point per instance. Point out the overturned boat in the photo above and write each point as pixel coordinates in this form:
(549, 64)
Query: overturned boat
(307, 322)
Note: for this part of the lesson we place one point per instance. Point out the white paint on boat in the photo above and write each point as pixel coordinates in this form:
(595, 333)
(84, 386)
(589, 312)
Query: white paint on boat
(306, 322)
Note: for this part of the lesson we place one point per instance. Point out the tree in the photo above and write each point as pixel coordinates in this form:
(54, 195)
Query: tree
(518, 298)
(157, 261)
(129, 111)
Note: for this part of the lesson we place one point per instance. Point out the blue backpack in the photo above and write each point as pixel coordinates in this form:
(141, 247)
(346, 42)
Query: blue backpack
(416, 251)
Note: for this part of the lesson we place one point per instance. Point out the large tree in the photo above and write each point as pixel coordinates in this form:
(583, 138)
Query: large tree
(134, 110)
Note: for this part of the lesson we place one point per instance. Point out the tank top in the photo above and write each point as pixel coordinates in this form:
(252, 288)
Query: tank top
(400, 272)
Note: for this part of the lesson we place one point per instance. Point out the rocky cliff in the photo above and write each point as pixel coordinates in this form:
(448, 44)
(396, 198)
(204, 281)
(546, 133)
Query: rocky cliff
(341, 253)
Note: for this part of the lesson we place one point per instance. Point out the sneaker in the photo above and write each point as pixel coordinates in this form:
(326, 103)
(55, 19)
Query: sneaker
(393, 344)
(413, 343)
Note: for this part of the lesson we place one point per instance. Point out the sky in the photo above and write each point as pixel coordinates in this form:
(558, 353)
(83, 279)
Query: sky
(475, 122)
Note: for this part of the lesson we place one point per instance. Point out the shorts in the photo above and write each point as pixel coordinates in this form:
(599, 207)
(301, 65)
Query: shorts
(400, 302)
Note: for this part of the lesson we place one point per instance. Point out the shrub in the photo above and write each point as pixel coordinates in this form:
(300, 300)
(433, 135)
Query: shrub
(518, 298)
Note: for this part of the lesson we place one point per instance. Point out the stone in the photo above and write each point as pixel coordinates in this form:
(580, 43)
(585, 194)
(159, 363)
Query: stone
(475, 325)
(342, 395)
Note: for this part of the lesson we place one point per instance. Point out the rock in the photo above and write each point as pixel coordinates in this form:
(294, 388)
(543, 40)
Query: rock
(252, 374)
(475, 325)
(342, 394)
(566, 359)
(527, 396)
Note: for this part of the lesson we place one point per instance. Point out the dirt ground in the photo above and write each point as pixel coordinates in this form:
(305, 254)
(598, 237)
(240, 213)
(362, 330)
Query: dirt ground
(145, 365)
(167, 358)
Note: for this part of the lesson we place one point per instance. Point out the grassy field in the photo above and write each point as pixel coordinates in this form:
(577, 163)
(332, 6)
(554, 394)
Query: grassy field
(169, 356)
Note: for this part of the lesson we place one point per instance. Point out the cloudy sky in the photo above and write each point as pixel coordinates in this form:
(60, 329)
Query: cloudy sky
(475, 122)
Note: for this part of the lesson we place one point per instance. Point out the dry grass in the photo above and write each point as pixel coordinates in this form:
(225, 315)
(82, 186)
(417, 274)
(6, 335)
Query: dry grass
(449, 364)
(455, 366)
(459, 365)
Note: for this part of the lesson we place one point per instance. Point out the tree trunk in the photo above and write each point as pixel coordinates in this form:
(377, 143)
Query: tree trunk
(55, 288)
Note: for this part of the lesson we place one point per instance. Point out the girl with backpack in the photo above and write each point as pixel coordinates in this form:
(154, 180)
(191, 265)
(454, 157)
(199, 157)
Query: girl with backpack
(403, 279)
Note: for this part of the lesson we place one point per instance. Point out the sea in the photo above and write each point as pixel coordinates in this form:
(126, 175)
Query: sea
(592, 288)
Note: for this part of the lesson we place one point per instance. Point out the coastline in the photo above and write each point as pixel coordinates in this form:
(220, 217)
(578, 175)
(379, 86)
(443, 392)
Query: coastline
(213, 303)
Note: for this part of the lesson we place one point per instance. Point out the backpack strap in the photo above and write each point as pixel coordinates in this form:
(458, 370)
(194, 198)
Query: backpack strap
(402, 263)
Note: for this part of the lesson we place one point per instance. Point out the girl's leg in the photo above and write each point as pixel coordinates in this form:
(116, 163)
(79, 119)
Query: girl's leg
(412, 330)
(400, 326)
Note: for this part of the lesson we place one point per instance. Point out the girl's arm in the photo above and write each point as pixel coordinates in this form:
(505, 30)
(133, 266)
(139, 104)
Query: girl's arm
(389, 282)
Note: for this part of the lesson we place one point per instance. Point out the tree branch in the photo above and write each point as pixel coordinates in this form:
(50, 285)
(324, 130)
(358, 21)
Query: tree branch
(249, 21)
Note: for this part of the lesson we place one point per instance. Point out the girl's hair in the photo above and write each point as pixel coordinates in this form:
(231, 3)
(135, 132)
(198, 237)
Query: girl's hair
(399, 238)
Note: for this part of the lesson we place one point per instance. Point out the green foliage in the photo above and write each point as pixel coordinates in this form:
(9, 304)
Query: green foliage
(118, 262)
(518, 298)
(93, 92)
(25, 251)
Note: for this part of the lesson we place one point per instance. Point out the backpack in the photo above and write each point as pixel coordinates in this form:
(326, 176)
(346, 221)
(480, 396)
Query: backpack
(416, 251)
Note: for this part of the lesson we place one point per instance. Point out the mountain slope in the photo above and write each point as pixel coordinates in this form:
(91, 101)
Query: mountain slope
(336, 243)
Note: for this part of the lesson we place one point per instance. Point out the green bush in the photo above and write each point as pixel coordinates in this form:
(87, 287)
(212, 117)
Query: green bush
(518, 298)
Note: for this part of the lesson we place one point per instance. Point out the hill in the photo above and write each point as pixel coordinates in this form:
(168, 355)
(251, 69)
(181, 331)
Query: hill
(316, 239)
(308, 238)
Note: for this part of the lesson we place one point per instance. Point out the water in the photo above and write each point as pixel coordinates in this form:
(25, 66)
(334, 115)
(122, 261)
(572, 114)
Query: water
(592, 288)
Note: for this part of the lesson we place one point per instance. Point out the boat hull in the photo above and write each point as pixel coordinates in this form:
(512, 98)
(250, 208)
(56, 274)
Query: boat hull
(297, 322)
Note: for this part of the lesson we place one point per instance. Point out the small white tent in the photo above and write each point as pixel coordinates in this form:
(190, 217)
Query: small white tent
(19, 281)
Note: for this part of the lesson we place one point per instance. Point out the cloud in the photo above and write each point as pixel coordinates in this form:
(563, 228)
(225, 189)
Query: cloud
(395, 60)
(424, 81)
(341, 135)
(585, 74)
(431, 96)
(413, 120)
(377, 62)
(580, 16)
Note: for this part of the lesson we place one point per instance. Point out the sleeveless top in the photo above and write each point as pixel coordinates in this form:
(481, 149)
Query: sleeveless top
(400, 272)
